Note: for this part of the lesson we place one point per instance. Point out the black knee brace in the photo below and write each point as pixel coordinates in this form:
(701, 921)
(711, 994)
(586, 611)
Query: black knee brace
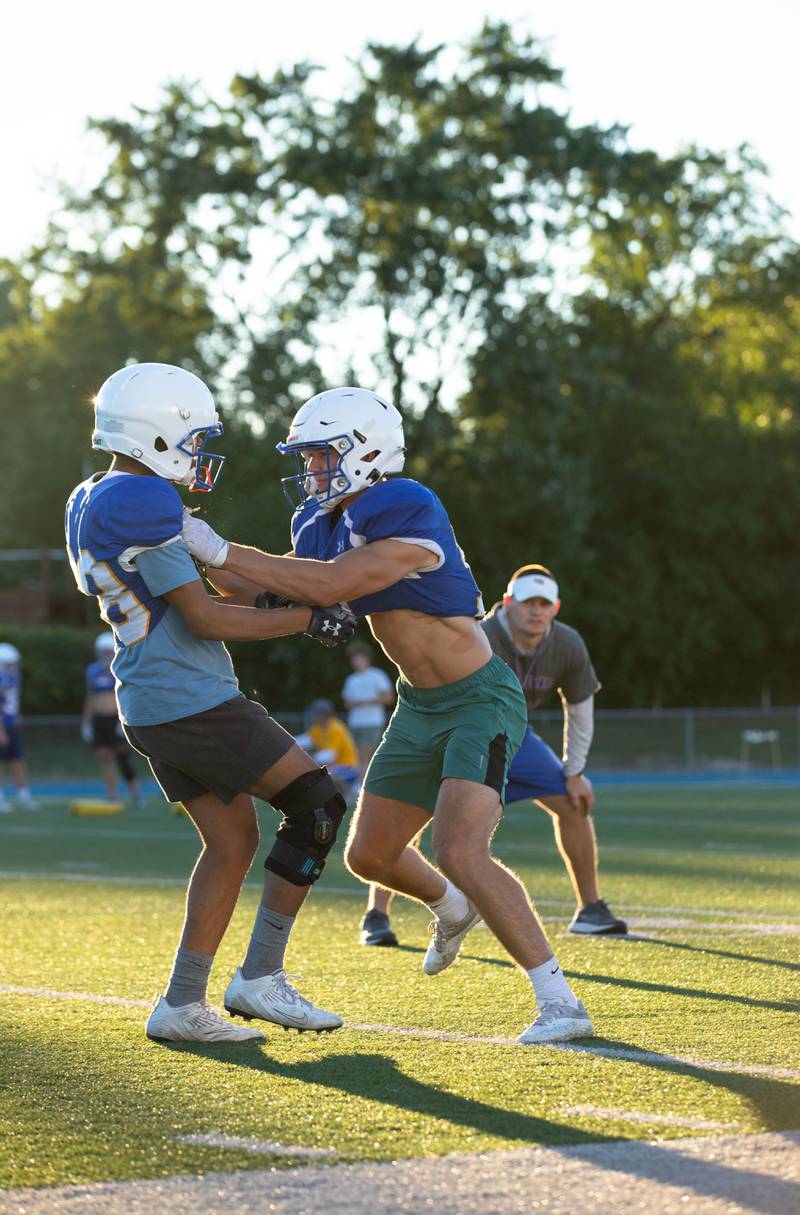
(312, 809)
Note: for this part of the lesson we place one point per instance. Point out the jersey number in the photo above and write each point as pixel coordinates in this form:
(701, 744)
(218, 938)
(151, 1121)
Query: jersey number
(119, 607)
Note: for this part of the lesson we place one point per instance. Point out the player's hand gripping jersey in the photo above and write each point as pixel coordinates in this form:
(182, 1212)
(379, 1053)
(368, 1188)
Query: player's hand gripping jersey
(123, 536)
(400, 509)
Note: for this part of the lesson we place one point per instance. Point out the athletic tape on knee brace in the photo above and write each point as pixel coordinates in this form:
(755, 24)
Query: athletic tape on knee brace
(313, 809)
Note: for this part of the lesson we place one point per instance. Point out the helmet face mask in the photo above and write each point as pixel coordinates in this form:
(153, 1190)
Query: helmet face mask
(163, 417)
(361, 435)
(206, 465)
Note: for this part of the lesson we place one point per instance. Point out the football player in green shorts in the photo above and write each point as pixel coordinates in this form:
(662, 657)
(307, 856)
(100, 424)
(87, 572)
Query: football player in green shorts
(386, 546)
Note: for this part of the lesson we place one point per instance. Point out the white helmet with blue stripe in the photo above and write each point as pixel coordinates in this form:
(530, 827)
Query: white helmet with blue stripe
(362, 435)
(161, 416)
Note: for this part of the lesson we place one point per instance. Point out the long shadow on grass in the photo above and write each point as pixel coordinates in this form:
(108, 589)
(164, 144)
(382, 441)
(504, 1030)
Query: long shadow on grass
(719, 953)
(696, 993)
(773, 1100)
(378, 1078)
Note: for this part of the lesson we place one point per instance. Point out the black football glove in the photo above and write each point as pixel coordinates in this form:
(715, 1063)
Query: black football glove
(332, 626)
(269, 600)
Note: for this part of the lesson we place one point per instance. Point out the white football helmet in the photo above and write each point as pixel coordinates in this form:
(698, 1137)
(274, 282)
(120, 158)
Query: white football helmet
(104, 643)
(362, 435)
(162, 416)
(9, 655)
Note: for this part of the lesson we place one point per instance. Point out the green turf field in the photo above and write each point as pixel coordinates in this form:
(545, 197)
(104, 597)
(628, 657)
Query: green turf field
(708, 879)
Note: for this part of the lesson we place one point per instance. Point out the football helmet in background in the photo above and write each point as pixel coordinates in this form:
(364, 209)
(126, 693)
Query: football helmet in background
(9, 655)
(162, 416)
(362, 435)
(104, 643)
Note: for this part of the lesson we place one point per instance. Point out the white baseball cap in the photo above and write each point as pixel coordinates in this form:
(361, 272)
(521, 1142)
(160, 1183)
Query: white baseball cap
(533, 586)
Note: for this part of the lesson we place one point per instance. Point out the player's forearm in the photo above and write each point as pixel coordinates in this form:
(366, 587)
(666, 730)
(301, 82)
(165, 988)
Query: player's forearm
(297, 578)
(578, 733)
(221, 621)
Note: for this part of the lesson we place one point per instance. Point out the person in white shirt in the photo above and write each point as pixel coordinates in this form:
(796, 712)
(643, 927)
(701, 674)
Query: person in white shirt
(366, 694)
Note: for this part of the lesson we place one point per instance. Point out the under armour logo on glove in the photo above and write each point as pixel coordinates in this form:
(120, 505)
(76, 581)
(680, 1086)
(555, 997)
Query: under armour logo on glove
(332, 626)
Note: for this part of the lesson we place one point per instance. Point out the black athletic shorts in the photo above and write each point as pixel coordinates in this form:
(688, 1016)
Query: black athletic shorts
(106, 731)
(223, 751)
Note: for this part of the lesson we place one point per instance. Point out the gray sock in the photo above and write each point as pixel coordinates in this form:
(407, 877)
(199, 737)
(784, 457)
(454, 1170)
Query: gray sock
(189, 978)
(267, 947)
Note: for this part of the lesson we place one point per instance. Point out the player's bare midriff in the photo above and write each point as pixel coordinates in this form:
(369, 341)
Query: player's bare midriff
(431, 650)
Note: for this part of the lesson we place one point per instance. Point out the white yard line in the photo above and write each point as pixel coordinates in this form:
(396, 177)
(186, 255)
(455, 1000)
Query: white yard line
(47, 875)
(258, 1147)
(694, 1124)
(712, 1175)
(438, 1035)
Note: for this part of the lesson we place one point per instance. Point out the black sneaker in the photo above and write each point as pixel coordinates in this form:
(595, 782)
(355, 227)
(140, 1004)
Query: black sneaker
(596, 918)
(375, 930)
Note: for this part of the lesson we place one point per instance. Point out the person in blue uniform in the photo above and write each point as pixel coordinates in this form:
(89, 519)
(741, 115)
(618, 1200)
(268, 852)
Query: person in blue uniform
(12, 751)
(386, 547)
(100, 726)
(208, 746)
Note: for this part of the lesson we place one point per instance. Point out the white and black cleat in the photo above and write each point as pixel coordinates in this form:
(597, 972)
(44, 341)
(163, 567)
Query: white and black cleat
(558, 1021)
(274, 998)
(446, 941)
(195, 1022)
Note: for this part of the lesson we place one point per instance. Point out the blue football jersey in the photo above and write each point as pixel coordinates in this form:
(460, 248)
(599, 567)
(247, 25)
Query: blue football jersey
(398, 509)
(99, 677)
(10, 688)
(124, 544)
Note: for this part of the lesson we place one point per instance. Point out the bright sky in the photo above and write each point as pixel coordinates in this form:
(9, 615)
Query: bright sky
(718, 72)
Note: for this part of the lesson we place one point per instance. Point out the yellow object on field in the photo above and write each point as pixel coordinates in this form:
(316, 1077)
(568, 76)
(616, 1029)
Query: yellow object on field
(95, 805)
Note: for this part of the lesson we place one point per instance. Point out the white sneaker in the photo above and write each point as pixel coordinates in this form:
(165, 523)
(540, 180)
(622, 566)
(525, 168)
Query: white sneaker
(446, 940)
(5, 806)
(274, 998)
(26, 802)
(195, 1023)
(558, 1021)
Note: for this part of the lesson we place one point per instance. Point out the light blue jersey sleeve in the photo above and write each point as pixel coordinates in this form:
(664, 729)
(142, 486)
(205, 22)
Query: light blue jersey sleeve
(166, 567)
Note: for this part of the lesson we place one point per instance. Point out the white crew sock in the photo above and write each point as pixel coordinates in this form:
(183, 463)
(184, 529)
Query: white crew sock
(549, 983)
(452, 906)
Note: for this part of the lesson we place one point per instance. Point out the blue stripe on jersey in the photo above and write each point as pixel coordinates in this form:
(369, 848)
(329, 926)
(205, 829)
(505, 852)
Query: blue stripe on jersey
(399, 509)
(107, 521)
(162, 671)
(99, 677)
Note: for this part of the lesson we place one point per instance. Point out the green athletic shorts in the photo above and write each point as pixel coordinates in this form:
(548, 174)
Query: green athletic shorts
(470, 729)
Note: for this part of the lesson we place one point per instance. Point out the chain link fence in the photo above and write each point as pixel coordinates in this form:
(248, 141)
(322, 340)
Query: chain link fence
(736, 740)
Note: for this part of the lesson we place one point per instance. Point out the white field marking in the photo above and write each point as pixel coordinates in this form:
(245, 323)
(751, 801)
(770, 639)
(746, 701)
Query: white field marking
(10, 989)
(438, 1035)
(258, 1147)
(638, 850)
(695, 1124)
(666, 823)
(787, 930)
(707, 1175)
(789, 921)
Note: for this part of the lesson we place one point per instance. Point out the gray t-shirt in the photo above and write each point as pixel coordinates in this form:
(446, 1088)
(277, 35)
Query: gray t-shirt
(561, 662)
(171, 673)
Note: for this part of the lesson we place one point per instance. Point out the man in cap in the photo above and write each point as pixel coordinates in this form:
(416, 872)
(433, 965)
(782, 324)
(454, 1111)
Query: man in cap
(549, 656)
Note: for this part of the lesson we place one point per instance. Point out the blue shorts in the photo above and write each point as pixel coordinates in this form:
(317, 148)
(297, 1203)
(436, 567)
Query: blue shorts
(536, 771)
(345, 773)
(13, 748)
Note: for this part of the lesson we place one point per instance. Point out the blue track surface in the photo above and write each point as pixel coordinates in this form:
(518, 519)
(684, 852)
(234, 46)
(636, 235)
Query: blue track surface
(788, 776)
